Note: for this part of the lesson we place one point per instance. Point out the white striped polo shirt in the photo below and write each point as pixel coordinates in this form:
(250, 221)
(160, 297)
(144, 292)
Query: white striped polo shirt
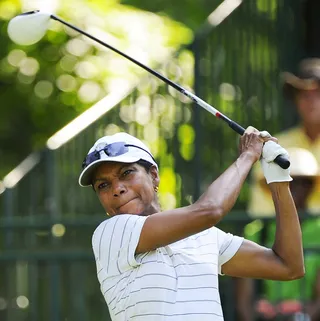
(175, 282)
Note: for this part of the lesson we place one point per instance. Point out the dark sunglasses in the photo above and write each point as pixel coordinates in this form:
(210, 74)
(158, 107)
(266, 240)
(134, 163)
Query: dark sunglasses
(111, 150)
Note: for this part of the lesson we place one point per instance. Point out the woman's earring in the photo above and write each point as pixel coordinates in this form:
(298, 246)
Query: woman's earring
(107, 214)
(156, 188)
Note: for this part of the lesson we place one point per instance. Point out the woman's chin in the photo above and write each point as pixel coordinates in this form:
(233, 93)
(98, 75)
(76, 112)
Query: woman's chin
(136, 207)
(137, 211)
(132, 208)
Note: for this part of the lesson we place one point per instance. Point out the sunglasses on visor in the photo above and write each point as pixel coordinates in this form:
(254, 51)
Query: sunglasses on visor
(111, 150)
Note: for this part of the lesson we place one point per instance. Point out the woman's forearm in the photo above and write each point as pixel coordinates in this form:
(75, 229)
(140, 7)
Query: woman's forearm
(224, 191)
(288, 239)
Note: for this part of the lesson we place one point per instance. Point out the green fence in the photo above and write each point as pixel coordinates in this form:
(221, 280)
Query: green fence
(47, 271)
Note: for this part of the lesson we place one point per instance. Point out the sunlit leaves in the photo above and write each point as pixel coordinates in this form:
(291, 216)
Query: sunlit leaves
(268, 7)
(43, 89)
(186, 135)
(28, 66)
(68, 72)
(66, 83)
(15, 56)
(8, 9)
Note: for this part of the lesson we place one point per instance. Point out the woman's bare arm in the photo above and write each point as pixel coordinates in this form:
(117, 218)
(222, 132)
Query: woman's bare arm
(284, 261)
(166, 227)
(169, 226)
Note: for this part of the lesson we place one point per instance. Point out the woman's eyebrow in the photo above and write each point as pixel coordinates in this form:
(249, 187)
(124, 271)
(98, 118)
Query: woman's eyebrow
(103, 178)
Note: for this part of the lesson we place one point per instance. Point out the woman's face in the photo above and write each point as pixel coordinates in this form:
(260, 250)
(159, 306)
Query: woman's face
(308, 103)
(126, 188)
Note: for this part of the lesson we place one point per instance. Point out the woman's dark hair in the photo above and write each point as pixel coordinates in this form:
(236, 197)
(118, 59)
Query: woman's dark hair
(145, 164)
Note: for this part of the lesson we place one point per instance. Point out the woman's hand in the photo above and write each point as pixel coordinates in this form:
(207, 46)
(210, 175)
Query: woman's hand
(251, 142)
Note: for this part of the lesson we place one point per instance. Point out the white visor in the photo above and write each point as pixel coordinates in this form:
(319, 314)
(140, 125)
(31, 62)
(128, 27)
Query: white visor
(136, 151)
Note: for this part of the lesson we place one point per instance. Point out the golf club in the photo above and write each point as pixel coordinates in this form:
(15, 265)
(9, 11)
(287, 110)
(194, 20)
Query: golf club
(30, 27)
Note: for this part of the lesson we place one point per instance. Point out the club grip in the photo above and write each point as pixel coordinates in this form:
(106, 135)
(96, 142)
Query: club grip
(236, 127)
(282, 161)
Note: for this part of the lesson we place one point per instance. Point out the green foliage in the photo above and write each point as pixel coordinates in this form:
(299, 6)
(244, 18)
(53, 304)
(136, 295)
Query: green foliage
(189, 12)
(46, 85)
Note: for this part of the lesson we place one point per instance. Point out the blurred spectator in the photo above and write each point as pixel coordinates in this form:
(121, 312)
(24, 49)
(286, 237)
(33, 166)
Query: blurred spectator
(304, 91)
(286, 299)
(303, 143)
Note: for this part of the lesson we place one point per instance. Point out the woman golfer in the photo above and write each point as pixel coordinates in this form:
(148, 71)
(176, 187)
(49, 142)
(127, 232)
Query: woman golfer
(164, 265)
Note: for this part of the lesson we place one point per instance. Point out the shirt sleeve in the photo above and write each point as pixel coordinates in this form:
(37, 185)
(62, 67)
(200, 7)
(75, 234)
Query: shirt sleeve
(228, 245)
(114, 243)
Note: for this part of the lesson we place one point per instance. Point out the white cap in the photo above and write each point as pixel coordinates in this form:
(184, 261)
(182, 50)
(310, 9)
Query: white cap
(133, 155)
(303, 163)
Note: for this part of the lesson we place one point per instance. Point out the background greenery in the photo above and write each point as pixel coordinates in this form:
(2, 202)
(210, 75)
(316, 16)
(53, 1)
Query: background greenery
(46, 85)
(47, 270)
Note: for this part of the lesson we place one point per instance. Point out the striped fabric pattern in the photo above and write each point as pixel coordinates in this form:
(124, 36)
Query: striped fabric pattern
(174, 282)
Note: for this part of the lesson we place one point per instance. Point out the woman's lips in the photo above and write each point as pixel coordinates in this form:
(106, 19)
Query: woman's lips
(125, 203)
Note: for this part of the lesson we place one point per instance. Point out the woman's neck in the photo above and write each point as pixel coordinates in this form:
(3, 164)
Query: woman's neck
(152, 209)
(312, 131)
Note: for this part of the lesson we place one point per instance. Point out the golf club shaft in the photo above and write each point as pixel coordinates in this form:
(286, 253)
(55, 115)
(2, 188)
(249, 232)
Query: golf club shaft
(282, 161)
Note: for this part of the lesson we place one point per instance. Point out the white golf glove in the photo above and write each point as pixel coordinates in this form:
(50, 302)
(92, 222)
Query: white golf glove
(273, 172)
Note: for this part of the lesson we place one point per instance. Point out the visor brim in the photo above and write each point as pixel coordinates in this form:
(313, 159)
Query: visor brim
(85, 178)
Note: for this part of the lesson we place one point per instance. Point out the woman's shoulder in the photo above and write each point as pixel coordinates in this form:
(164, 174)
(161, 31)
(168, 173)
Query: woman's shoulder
(198, 240)
(118, 220)
(116, 225)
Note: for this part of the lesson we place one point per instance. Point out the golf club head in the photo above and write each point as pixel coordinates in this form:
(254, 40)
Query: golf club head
(28, 28)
